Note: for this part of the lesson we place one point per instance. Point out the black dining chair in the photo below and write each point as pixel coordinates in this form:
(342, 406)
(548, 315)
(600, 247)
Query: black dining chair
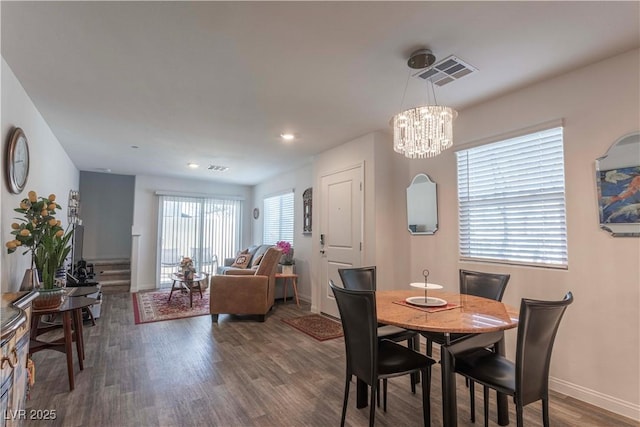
(370, 359)
(486, 285)
(527, 380)
(364, 279)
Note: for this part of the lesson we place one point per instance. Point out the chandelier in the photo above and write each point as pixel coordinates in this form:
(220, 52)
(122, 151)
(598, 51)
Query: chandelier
(423, 131)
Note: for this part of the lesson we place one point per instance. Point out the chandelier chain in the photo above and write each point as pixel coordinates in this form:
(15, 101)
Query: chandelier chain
(405, 89)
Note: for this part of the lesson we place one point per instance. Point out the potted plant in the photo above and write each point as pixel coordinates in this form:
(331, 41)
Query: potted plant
(42, 236)
(286, 260)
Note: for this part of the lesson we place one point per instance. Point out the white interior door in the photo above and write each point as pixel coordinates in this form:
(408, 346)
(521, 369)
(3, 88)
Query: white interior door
(340, 229)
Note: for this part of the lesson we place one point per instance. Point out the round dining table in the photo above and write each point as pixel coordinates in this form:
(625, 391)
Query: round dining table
(485, 319)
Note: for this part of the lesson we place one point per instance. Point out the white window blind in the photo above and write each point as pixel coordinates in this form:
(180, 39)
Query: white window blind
(511, 200)
(278, 219)
(205, 229)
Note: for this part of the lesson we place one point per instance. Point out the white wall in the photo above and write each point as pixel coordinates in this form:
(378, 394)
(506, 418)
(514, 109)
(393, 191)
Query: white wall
(145, 219)
(597, 353)
(298, 180)
(391, 236)
(384, 224)
(50, 170)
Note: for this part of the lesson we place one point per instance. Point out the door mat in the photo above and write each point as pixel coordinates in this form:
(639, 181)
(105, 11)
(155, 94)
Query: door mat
(317, 326)
(152, 306)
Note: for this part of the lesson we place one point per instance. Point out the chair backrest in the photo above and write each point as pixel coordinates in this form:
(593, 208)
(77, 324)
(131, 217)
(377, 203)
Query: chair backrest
(269, 263)
(358, 279)
(486, 285)
(358, 316)
(537, 327)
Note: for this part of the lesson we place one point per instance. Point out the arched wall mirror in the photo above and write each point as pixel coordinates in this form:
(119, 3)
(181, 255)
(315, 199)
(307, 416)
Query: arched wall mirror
(422, 206)
(618, 184)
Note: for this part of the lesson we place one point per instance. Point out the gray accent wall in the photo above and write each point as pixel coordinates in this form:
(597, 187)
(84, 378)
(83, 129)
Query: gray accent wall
(106, 210)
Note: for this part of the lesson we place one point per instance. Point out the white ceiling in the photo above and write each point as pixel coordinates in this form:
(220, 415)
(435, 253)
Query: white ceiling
(217, 82)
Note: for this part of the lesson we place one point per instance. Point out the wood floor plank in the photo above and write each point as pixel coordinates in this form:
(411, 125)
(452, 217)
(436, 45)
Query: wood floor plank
(238, 372)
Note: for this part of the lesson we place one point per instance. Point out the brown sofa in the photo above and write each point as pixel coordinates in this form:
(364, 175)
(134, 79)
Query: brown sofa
(246, 291)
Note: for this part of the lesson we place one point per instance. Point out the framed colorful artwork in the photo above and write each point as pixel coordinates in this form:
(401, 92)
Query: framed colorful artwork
(618, 186)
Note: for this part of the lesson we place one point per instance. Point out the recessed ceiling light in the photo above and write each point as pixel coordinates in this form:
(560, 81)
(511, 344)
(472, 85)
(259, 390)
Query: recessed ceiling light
(217, 168)
(287, 136)
(193, 165)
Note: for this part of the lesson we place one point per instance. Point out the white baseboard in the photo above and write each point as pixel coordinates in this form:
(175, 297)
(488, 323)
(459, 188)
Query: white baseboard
(601, 400)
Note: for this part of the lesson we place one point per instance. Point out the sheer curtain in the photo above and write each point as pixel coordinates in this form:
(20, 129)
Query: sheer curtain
(205, 229)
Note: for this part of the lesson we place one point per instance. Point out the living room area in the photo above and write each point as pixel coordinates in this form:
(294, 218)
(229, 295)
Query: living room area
(123, 134)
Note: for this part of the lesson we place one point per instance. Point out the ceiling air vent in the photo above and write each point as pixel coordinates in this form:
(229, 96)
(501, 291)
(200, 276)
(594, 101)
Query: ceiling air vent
(217, 168)
(446, 71)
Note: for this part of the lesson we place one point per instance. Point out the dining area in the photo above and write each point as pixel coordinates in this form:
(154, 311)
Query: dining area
(469, 328)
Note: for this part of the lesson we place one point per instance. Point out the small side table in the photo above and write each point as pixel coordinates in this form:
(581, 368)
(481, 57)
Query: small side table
(187, 285)
(71, 312)
(294, 282)
(85, 291)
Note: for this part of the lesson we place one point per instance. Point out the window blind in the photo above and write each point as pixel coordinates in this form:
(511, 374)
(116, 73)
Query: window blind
(511, 200)
(278, 218)
(204, 229)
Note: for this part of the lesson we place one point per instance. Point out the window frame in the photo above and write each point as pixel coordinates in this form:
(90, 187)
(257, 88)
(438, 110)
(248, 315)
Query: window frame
(500, 202)
(288, 197)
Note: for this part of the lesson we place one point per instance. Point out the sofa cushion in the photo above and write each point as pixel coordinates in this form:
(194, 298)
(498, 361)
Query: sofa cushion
(242, 260)
(256, 260)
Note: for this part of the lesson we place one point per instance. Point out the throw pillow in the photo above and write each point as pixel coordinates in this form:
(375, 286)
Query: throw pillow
(242, 260)
(257, 260)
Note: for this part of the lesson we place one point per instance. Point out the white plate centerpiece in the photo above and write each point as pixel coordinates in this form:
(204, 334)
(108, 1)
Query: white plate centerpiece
(426, 301)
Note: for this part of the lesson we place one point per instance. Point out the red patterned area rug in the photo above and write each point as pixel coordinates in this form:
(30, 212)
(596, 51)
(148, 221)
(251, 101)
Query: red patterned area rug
(319, 327)
(152, 306)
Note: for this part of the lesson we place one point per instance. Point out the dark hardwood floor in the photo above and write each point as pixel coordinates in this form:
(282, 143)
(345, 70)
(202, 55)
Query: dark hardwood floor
(238, 372)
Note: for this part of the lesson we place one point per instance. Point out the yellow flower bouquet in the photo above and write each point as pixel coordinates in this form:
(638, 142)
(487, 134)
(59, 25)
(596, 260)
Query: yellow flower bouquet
(41, 234)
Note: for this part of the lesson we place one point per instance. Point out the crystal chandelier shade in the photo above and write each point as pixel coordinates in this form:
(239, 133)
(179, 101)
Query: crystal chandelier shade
(423, 131)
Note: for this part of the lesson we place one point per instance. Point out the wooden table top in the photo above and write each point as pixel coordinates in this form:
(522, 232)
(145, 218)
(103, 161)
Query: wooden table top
(474, 314)
(286, 275)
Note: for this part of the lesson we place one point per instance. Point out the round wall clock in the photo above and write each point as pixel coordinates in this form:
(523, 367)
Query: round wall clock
(17, 161)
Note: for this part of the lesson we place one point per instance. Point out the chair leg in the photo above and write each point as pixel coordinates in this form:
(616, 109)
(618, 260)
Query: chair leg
(346, 399)
(378, 395)
(519, 420)
(384, 394)
(545, 412)
(214, 317)
(426, 395)
(485, 393)
(429, 347)
(372, 410)
(472, 401)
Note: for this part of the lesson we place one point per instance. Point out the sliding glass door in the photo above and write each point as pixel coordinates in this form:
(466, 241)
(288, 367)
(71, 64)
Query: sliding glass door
(205, 229)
